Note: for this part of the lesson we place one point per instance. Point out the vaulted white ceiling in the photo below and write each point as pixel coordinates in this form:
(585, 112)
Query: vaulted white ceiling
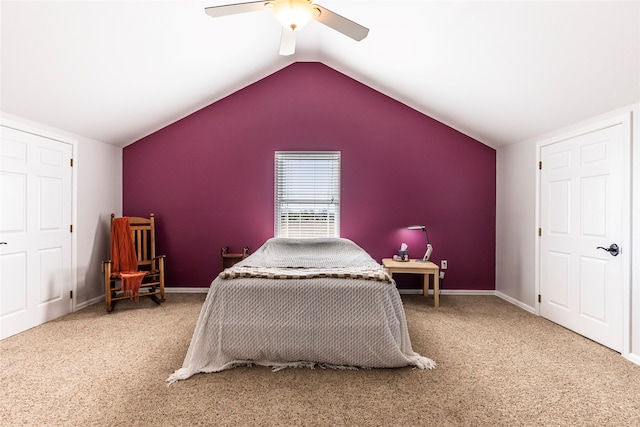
(501, 71)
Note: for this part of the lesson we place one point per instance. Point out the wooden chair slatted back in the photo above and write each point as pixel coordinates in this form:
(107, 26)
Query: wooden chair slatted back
(143, 235)
(144, 240)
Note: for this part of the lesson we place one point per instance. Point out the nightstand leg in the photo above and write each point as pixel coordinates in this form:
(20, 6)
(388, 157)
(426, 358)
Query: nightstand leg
(436, 290)
(425, 291)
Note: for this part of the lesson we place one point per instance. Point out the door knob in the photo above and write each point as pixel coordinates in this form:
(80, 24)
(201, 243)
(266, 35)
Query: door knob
(614, 249)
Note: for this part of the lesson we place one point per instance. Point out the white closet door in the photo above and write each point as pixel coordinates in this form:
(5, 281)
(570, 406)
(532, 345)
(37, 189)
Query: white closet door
(35, 220)
(581, 210)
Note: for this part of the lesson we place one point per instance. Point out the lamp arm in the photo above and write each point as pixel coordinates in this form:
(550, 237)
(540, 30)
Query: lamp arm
(426, 235)
(427, 254)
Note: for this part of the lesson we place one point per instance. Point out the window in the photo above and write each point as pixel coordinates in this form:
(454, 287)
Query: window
(307, 194)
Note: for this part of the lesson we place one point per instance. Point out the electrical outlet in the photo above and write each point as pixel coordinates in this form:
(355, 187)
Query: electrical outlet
(442, 274)
(443, 264)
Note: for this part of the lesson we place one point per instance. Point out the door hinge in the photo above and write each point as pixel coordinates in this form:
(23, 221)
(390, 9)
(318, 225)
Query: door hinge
(539, 231)
(70, 294)
(71, 162)
(540, 165)
(70, 228)
(539, 298)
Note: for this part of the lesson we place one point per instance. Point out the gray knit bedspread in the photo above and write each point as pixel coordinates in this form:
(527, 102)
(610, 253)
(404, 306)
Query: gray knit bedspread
(302, 302)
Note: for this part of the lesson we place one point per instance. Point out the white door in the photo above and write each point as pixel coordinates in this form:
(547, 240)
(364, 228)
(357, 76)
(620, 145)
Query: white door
(581, 210)
(35, 219)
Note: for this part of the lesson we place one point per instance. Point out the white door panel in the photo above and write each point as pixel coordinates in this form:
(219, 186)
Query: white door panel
(35, 262)
(558, 274)
(581, 209)
(14, 301)
(593, 292)
(559, 192)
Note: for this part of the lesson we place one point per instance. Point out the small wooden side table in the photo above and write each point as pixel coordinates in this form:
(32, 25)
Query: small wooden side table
(417, 267)
(227, 259)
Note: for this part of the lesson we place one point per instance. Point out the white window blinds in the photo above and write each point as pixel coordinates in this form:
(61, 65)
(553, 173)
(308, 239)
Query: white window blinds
(307, 194)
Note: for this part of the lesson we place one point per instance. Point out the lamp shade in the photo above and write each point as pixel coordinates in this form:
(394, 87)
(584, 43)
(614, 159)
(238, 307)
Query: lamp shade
(293, 14)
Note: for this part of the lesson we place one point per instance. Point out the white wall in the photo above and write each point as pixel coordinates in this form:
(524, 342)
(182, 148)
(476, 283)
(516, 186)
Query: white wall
(97, 193)
(516, 220)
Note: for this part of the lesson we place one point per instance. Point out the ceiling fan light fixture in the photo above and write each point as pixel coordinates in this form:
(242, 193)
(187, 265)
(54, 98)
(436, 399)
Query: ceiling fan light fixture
(293, 14)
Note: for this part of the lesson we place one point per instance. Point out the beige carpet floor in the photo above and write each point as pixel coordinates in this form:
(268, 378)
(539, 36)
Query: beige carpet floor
(497, 366)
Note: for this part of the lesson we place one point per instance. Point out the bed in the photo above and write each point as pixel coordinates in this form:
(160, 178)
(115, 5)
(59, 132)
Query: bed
(302, 302)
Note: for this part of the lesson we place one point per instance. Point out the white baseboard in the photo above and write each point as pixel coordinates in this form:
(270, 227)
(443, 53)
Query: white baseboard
(515, 302)
(410, 291)
(87, 303)
(186, 290)
(448, 292)
(467, 292)
(635, 358)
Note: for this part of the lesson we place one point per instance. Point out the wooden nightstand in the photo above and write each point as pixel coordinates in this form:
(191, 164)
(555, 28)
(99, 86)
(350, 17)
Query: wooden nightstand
(227, 259)
(417, 267)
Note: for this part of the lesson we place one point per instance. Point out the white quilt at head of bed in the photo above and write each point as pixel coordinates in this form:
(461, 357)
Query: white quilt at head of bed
(281, 322)
(309, 253)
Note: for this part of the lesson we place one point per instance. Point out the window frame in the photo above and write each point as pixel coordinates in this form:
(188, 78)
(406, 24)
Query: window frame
(307, 193)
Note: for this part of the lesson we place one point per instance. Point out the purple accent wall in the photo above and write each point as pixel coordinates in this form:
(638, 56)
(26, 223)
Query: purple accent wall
(209, 177)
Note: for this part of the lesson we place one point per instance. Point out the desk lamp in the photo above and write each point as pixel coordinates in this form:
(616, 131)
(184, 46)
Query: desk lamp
(429, 247)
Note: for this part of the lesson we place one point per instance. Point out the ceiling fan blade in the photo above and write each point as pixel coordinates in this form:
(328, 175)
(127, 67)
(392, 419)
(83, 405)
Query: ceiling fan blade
(232, 9)
(287, 42)
(340, 23)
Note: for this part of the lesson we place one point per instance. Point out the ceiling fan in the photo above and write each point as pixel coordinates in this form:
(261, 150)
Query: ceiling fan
(293, 15)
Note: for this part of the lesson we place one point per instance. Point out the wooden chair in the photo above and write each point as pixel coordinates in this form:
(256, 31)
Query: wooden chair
(227, 259)
(144, 241)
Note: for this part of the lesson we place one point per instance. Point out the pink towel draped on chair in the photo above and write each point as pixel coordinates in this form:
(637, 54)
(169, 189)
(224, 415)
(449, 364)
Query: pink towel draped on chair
(125, 263)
